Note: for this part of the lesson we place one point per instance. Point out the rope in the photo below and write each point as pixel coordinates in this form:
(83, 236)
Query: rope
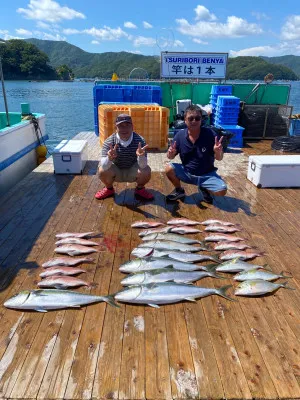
(287, 143)
(38, 131)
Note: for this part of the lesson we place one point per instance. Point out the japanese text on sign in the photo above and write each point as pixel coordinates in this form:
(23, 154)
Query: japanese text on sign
(193, 65)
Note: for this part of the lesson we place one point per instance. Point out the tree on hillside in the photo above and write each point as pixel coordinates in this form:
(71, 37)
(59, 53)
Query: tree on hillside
(22, 60)
(65, 73)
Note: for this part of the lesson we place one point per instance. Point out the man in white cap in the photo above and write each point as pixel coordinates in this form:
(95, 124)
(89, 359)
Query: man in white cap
(124, 159)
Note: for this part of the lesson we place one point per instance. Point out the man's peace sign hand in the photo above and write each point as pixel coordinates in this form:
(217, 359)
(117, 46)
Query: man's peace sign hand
(172, 151)
(112, 152)
(140, 151)
(218, 145)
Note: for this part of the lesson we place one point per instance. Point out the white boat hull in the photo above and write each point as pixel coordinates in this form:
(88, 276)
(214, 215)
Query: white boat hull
(18, 145)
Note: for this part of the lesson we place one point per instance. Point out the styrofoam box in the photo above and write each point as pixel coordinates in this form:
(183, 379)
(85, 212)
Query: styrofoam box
(70, 156)
(274, 171)
(182, 105)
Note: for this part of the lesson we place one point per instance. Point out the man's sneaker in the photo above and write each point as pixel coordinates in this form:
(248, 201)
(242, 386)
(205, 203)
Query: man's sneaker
(178, 193)
(104, 193)
(207, 197)
(143, 194)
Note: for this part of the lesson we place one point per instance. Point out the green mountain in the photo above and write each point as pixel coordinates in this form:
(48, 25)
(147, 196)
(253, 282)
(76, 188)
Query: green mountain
(292, 62)
(91, 65)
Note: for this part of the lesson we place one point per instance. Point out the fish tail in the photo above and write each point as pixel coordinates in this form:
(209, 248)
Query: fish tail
(215, 257)
(110, 300)
(211, 267)
(285, 285)
(215, 275)
(285, 276)
(222, 292)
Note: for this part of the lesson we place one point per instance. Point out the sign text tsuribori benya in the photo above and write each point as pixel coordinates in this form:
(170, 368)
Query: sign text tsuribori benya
(194, 65)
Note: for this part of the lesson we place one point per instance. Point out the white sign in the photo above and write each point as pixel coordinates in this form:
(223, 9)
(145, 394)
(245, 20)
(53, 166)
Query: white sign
(193, 65)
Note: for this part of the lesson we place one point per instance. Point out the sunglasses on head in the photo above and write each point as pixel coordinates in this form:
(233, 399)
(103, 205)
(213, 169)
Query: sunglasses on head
(191, 119)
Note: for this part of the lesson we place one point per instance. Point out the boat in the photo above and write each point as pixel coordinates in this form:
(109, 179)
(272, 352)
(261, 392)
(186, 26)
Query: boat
(18, 144)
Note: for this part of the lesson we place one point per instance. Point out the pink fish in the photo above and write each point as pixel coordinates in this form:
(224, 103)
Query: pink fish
(218, 237)
(75, 249)
(146, 224)
(164, 229)
(74, 234)
(62, 282)
(61, 271)
(76, 240)
(231, 246)
(183, 229)
(221, 228)
(67, 261)
(242, 255)
(216, 221)
(182, 221)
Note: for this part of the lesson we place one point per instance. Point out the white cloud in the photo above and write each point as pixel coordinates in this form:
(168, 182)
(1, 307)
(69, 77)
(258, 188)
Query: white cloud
(6, 36)
(147, 25)
(178, 43)
(143, 41)
(4, 32)
(234, 27)
(48, 10)
(70, 31)
(49, 36)
(199, 41)
(95, 42)
(203, 14)
(106, 33)
(291, 28)
(260, 16)
(133, 51)
(23, 32)
(129, 25)
(43, 25)
(281, 49)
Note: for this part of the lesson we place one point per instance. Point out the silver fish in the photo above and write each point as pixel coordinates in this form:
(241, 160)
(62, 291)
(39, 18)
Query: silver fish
(74, 234)
(241, 254)
(173, 237)
(258, 274)
(61, 282)
(182, 221)
(168, 274)
(169, 245)
(182, 230)
(221, 228)
(231, 246)
(218, 237)
(152, 263)
(258, 287)
(167, 293)
(237, 265)
(146, 224)
(75, 249)
(164, 229)
(52, 299)
(75, 240)
(69, 271)
(67, 261)
(141, 252)
(216, 221)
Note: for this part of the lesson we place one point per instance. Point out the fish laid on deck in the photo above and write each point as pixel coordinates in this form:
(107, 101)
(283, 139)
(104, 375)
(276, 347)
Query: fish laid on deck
(231, 246)
(182, 221)
(241, 254)
(219, 237)
(258, 287)
(75, 249)
(237, 265)
(222, 229)
(181, 230)
(67, 261)
(61, 282)
(168, 274)
(68, 271)
(75, 234)
(146, 224)
(173, 237)
(170, 245)
(141, 252)
(216, 221)
(167, 293)
(53, 299)
(258, 274)
(75, 240)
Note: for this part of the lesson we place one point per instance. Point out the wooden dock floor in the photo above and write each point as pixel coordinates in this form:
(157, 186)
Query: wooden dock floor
(211, 349)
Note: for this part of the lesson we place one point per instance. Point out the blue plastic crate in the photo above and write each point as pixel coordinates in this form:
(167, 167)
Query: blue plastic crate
(232, 108)
(228, 101)
(221, 89)
(229, 114)
(237, 139)
(226, 121)
(294, 127)
(147, 94)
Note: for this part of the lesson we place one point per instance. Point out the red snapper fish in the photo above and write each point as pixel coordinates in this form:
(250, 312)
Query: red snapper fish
(231, 246)
(146, 224)
(182, 221)
(75, 249)
(216, 221)
(184, 229)
(74, 234)
(76, 240)
(218, 237)
(241, 254)
(67, 261)
(61, 271)
(62, 282)
(222, 229)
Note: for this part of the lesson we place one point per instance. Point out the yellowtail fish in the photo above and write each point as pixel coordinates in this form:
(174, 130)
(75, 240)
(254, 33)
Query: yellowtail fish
(258, 287)
(258, 274)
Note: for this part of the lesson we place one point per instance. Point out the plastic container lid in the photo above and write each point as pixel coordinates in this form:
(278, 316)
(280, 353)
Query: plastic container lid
(70, 146)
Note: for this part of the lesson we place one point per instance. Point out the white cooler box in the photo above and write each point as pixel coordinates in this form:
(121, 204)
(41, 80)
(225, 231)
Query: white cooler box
(274, 171)
(70, 156)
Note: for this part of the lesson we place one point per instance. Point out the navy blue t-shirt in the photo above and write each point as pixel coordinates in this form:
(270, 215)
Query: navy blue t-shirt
(198, 158)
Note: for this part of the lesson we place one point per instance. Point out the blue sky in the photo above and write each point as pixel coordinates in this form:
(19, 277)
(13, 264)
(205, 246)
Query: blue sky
(250, 28)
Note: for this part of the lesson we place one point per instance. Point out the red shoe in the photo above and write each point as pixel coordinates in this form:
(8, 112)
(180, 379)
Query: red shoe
(104, 193)
(143, 194)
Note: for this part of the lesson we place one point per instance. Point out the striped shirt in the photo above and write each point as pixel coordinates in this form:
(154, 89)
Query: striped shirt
(126, 155)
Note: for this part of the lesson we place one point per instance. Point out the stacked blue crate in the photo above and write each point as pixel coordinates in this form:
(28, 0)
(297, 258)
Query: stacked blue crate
(216, 91)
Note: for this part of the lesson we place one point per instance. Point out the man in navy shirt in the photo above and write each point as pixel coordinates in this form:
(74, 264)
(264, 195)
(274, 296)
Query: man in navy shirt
(197, 147)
